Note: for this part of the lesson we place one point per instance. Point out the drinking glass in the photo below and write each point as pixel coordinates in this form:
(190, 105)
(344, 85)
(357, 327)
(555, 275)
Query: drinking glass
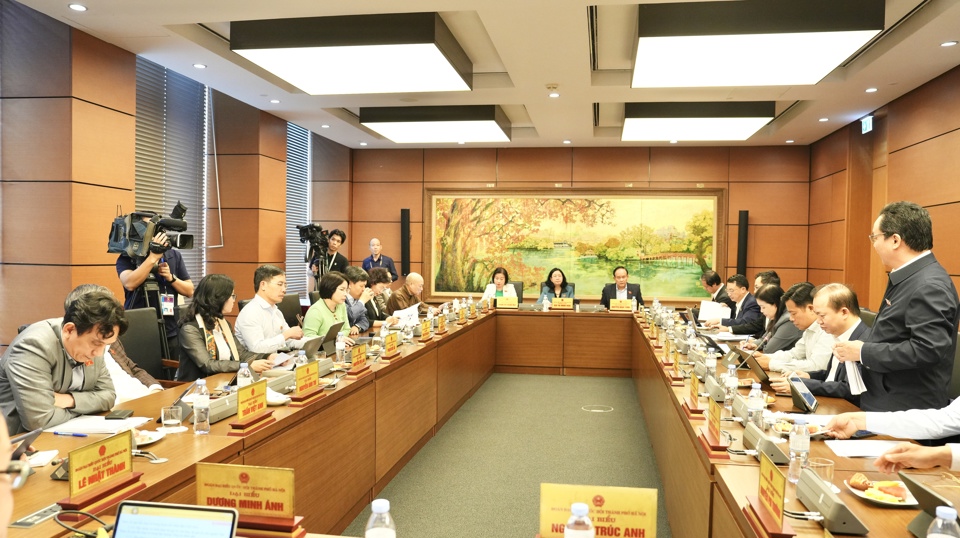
(823, 467)
(171, 418)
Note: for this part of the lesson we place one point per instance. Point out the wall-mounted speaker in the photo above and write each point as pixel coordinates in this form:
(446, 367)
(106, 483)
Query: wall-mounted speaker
(404, 242)
(742, 243)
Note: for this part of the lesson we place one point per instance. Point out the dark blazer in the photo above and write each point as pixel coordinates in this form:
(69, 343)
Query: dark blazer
(195, 360)
(722, 297)
(610, 292)
(838, 388)
(908, 358)
(749, 311)
(782, 336)
(377, 309)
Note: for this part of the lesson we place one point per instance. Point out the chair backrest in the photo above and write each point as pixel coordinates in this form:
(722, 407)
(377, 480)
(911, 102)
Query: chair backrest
(518, 287)
(868, 316)
(290, 307)
(954, 390)
(142, 340)
(243, 303)
(182, 311)
(573, 288)
(314, 296)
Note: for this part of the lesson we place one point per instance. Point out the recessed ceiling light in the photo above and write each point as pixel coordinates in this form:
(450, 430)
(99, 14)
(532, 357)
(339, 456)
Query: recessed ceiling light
(200, 66)
(566, 141)
(363, 143)
(461, 142)
(438, 124)
(824, 119)
(554, 94)
(789, 141)
(275, 101)
(77, 7)
(871, 90)
(673, 141)
(948, 43)
(324, 126)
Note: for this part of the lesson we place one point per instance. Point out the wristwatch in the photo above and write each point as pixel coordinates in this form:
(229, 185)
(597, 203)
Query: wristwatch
(173, 278)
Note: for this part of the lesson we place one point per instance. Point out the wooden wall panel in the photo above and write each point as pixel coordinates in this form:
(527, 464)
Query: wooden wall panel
(829, 155)
(857, 212)
(248, 181)
(927, 173)
(330, 201)
(770, 203)
(103, 147)
(695, 165)
(248, 234)
(826, 276)
(788, 276)
(38, 203)
(406, 409)
(946, 221)
(924, 113)
(35, 138)
(878, 274)
(103, 73)
(91, 208)
(331, 161)
(880, 132)
(21, 304)
(549, 165)
(457, 166)
(770, 164)
(389, 235)
(828, 198)
(273, 137)
(826, 246)
(592, 165)
(771, 246)
(242, 275)
(236, 126)
(36, 48)
(383, 201)
(381, 165)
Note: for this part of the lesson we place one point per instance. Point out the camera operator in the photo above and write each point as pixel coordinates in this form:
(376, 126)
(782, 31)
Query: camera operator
(331, 259)
(172, 279)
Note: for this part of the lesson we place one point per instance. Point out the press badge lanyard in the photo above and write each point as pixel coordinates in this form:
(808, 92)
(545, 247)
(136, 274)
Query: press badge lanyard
(167, 302)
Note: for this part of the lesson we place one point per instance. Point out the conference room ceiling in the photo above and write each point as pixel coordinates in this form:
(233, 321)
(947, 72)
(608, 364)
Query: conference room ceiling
(518, 49)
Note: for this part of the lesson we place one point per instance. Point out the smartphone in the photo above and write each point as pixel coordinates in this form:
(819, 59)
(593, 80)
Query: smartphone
(119, 414)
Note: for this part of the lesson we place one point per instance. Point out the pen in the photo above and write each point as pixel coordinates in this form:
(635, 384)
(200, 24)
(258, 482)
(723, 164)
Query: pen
(68, 434)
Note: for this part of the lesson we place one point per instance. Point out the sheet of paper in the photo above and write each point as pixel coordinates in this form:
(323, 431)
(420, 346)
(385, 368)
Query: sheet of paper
(854, 379)
(730, 337)
(97, 424)
(860, 448)
(408, 316)
(712, 310)
(819, 420)
(282, 358)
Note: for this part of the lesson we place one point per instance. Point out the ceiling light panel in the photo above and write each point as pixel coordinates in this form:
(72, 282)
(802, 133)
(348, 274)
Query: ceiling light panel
(438, 125)
(750, 42)
(701, 122)
(393, 53)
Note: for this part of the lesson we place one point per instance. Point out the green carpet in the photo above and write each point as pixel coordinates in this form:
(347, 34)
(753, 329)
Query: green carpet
(481, 474)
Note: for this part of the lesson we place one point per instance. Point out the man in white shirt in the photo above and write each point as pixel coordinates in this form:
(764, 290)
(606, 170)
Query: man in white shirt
(129, 380)
(261, 327)
(812, 352)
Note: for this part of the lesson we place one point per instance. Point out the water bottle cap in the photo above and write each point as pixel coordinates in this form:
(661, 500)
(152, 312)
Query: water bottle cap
(302, 352)
(799, 422)
(579, 509)
(945, 512)
(243, 365)
(202, 382)
(755, 386)
(380, 506)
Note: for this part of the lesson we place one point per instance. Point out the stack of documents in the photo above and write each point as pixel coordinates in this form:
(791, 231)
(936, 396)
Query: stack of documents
(97, 425)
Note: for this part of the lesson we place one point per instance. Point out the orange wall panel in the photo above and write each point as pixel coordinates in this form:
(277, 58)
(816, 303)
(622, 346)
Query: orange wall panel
(24, 300)
(826, 246)
(37, 49)
(92, 208)
(927, 173)
(770, 203)
(770, 164)
(235, 125)
(771, 246)
(389, 235)
(382, 202)
(248, 181)
(694, 165)
(331, 161)
(379, 165)
(36, 138)
(826, 276)
(548, 165)
(457, 166)
(103, 74)
(330, 200)
(248, 234)
(593, 165)
(242, 275)
(24, 202)
(924, 113)
(946, 221)
(828, 197)
(103, 143)
(273, 137)
(829, 154)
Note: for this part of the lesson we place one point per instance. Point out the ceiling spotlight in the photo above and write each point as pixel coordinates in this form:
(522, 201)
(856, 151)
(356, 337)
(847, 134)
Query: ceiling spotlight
(871, 90)
(789, 141)
(200, 66)
(77, 7)
(567, 142)
(554, 94)
(324, 126)
(461, 142)
(673, 141)
(948, 43)
(275, 101)
(824, 120)
(363, 143)
(552, 88)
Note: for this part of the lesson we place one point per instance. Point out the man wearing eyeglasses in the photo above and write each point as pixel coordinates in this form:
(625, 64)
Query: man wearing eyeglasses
(908, 357)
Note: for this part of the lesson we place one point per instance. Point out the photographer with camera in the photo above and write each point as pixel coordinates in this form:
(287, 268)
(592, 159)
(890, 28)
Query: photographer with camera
(331, 260)
(172, 279)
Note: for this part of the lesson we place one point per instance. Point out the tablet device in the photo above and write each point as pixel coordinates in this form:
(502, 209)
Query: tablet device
(140, 519)
(756, 368)
(22, 441)
(185, 409)
(330, 340)
(311, 346)
(731, 358)
(803, 399)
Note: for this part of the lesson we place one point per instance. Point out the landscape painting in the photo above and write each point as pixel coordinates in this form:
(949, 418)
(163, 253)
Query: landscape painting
(665, 241)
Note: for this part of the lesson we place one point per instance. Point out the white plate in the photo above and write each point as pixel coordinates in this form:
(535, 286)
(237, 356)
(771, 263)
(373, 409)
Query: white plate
(909, 502)
(147, 437)
(174, 429)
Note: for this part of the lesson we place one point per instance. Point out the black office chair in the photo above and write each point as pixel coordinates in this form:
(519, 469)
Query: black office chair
(142, 344)
(242, 303)
(868, 316)
(314, 296)
(518, 286)
(290, 307)
(182, 311)
(573, 288)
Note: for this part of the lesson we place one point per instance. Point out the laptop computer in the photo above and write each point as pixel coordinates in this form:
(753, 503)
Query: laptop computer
(330, 339)
(141, 519)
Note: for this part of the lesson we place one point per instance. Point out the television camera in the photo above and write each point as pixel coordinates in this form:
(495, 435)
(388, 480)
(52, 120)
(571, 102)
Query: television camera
(133, 234)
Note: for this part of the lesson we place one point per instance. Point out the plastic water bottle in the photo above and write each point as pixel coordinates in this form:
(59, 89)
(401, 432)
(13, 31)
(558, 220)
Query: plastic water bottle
(301, 357)
(945, 525)
(341, 347)
(711, 364)
(730, 385)
(380, 524)
(579, 525)
(633, 305)
(755, 405)
(800, 451)
(201, 408)
(244, 376)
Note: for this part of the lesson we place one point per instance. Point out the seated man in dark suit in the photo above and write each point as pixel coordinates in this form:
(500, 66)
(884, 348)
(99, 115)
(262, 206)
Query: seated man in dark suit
(747, 307)
(838, 314)
(711, 282)
(620, 289)
(756, 326)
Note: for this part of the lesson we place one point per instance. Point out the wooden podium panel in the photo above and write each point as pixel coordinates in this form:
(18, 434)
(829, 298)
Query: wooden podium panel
(530, 342)
(597, 341)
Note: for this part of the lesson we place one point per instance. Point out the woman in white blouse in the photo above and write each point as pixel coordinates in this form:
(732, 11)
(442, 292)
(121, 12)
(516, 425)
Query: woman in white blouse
(498, 286)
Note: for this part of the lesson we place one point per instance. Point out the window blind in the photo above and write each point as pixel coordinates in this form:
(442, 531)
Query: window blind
(298, 206)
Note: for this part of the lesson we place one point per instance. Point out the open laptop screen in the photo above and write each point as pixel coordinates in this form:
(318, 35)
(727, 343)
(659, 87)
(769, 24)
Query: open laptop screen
(137, 519)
